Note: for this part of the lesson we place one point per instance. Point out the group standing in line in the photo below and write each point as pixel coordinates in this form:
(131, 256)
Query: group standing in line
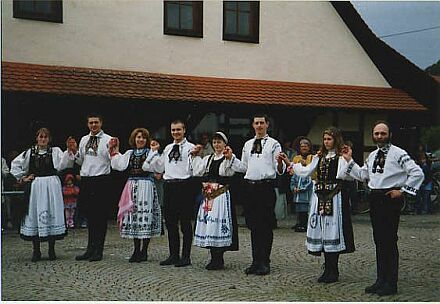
(389, 170)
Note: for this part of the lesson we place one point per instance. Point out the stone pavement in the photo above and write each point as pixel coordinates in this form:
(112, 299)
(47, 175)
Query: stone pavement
(293, 272)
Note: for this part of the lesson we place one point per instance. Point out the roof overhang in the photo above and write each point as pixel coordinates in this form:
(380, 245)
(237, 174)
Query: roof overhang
(61, 80)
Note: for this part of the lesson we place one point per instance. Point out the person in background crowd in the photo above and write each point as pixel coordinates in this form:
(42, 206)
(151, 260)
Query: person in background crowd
(70, 194)
(216, 221)
(206, 144)
(261, 163)
(329, 227)
(302, 187)
(6, 210)
(139, 215)
(390, 172)
(37, 167)
(423, 205)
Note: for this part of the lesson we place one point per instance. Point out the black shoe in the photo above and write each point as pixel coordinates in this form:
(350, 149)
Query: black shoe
(171, 260)
(36, 256)
(331, 278)
(183, 262)
(95, 257)
(215, 266)
(323, 277)
(387, 290)
(143, 256)
(251, 269)
(134, 257)
(263, 269)
(85, 256)
(373, 288)
(52, 256)
(300, 229)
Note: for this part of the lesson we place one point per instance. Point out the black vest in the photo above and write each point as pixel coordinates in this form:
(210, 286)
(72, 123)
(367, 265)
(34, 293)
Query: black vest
(41, 164)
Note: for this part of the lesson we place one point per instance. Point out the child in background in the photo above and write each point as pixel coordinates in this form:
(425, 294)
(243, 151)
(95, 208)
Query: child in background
(70, 194)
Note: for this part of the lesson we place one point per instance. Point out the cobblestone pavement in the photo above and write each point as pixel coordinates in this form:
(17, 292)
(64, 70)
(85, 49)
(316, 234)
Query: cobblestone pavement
(292, 278)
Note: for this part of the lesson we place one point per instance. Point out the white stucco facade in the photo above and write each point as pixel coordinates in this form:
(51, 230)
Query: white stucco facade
(299, 41)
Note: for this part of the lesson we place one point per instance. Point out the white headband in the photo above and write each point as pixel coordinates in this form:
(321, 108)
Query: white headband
(222, 135)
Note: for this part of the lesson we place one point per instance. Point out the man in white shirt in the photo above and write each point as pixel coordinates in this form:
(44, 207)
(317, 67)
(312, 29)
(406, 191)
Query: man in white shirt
(178, 194)
(261, 163)
(94, 158)
(390, 172)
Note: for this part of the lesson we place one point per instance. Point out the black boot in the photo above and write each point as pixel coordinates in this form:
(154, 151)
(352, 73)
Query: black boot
(52, 255)
(387, 289)
(135, 256)
(252, 269)
(333, 272)
(36, 253)
(324, 275)
(375, 287)
(143, 255)
(90, 246)
(217, 262)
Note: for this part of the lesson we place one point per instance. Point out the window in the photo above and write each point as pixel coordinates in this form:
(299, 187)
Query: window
(184, 18)
(43, 10)
(241, 21)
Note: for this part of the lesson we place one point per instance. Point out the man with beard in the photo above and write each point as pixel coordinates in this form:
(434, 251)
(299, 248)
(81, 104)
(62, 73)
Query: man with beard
(391, 173)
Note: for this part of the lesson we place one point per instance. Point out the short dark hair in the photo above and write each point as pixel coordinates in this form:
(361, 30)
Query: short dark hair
(90, 115)
(177, 121)
(259, 115)
(377, 122)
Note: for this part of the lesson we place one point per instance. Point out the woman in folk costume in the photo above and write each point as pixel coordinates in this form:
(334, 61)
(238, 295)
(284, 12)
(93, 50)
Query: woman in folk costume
(37, 167)
(329, 227)
(139, 214)
(302, 187)
(216, 221)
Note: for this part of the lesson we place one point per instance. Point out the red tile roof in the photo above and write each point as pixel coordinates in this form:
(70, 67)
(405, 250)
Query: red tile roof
(162, 87)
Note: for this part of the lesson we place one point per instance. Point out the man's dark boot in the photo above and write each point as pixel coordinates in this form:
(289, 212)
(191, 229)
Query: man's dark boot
(90, 247)
(375, 287)
(171, 260)
(387, 289)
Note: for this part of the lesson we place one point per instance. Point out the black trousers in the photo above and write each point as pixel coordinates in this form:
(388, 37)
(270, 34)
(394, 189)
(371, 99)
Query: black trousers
(179, 202)
(259, 212)
(94, 203)
(385, 215)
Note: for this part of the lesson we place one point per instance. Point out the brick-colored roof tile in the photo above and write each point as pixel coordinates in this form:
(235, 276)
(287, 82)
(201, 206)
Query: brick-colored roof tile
(141, 85)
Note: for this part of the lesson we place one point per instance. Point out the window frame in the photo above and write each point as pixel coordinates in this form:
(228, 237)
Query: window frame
(196, 31)
(56, 14)
(254, 23)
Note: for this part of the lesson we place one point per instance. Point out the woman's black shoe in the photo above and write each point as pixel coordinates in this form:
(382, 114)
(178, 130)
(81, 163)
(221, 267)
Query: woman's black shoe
(36, 256)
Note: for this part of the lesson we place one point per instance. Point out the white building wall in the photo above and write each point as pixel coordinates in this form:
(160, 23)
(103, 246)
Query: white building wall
(299, 41)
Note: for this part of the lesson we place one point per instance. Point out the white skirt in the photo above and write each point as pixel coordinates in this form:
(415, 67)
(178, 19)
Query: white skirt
(146, 219)
(214, 222)
(325, 233)
(46, 209)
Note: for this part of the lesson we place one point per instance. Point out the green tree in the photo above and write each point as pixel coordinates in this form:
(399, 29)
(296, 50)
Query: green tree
(431, 137)
(434, 69)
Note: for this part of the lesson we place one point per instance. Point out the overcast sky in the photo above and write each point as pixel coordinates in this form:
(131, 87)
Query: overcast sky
(394, 17)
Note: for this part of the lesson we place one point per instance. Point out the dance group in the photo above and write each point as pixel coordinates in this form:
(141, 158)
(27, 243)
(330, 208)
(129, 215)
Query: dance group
(389, 170)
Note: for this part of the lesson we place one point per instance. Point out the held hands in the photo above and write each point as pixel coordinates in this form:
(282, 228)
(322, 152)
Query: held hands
(72, 146)
(113, 146)
(228, 153)
(155, 146)
(347, 153)
(197, 150)
(27, 179)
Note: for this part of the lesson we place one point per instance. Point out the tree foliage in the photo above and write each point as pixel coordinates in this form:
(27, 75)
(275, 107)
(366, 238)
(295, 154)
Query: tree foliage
(434, 69)
(431, 137)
